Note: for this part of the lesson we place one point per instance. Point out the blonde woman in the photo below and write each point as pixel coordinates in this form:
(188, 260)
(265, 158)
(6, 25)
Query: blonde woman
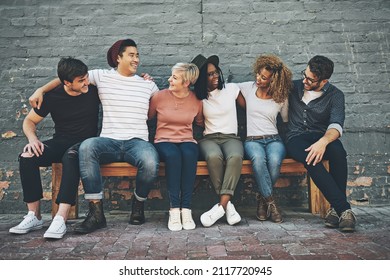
(265, 98)
(176, 108)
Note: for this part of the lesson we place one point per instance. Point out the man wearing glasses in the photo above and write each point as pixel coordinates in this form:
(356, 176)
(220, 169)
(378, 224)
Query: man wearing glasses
(316, 118)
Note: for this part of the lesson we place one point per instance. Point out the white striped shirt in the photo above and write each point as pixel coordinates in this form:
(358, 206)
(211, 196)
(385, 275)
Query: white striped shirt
(125, 102)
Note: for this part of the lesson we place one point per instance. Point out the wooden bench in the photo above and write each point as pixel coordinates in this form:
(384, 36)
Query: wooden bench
(317, 203)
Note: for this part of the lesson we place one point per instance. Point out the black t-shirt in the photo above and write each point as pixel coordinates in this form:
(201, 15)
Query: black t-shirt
(73, 116)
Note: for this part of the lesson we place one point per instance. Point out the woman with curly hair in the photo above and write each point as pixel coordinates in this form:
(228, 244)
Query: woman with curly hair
(264, 99)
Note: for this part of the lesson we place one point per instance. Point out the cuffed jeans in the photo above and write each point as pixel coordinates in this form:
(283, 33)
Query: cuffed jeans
(266, 156)
(217, 148)
(332, 184)
(180, 171)
(55, 150)
(101, 150)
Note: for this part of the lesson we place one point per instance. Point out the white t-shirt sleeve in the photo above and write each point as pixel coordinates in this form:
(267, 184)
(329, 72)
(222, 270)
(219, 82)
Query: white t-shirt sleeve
(92, 76)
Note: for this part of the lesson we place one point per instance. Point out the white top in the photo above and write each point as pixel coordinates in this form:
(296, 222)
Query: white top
(125, 102)
(309, 95)
(219, 110)
(261, 114)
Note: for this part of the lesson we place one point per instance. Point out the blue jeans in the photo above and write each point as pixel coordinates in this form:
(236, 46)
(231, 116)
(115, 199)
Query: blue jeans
(101, 150)
(180, 170)
(332, 184)
(266, 156)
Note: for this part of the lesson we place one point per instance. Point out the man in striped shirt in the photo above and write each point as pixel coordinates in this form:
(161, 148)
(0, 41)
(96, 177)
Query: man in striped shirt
(124, 137)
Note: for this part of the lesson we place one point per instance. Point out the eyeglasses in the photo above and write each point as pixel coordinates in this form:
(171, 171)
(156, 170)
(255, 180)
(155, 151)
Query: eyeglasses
(213, 74)
(310, 80)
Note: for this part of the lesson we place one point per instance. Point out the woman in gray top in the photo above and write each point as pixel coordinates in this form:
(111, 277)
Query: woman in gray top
(264, 100)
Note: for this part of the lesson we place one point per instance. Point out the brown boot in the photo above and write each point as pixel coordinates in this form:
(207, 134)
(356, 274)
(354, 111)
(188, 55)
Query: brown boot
(262, 207)
(273, 210)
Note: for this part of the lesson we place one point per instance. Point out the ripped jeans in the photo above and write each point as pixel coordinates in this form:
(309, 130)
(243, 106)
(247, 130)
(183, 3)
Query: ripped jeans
(55, 150)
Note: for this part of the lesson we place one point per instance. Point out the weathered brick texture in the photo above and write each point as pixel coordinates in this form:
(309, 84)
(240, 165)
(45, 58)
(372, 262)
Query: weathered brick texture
(354, 34)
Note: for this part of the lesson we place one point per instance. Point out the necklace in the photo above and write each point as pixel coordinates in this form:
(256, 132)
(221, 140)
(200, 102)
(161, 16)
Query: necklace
(178, 100)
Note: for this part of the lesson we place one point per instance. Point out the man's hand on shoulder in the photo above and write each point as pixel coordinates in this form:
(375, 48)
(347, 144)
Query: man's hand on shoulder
(36, 99)
(147, 77)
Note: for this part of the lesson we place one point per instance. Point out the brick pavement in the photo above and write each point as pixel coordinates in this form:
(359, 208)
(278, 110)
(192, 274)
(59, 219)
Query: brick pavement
(302, 236)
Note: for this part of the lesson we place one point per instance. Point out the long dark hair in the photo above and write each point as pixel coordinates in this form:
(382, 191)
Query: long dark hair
(200, 86)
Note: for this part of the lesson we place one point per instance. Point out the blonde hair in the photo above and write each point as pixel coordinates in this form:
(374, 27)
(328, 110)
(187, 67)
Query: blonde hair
(190, 71)
(281, 83)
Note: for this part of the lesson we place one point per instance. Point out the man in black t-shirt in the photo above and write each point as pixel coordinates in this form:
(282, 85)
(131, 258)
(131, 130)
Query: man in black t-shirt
(74, 108)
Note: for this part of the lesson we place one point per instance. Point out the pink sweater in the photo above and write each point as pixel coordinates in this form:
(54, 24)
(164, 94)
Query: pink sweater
(175, 116)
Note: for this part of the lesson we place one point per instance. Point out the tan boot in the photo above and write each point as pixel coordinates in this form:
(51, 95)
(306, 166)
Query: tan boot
(273, 210)
(262, 207)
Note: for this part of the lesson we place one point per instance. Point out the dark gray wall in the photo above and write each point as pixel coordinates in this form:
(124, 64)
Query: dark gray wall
(354, 34)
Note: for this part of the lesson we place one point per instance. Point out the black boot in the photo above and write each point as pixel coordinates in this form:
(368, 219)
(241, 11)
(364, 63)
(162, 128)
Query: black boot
(137, 216)
(95, 219)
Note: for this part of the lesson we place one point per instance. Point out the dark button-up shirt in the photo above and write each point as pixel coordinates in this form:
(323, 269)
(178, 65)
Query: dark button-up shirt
(320, 114)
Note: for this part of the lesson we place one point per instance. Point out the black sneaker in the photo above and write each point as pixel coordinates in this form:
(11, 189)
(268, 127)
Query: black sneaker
(332, 219)
(347, 221)
(137, 216)
(95, 219)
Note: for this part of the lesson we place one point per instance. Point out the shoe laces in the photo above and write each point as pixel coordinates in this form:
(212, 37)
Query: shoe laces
(331, 212)
(174, 217)
(347, 214)
(271, 208)
(186, 216)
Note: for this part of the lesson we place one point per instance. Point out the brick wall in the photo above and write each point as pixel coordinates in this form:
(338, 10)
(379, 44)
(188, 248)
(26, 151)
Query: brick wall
(354, 34)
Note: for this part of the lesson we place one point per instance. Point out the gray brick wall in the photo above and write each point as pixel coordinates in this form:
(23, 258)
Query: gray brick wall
(354, 34)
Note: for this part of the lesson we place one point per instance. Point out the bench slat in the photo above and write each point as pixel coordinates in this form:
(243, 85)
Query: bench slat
(125, 169)
(317, 202)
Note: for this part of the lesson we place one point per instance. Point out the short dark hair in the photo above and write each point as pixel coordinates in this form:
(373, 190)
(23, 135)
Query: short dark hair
(126, 43)
(321, 66)
(69, 68)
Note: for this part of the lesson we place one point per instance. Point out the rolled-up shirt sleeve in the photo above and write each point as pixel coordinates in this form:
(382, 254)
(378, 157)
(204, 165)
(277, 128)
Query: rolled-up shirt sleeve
(337, 113)
(337, 127)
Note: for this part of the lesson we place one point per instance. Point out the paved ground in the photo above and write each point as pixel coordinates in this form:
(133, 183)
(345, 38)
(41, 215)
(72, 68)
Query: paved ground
(302, 236)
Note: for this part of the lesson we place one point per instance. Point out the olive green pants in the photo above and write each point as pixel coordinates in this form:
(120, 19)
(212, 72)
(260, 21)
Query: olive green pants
(224, 154)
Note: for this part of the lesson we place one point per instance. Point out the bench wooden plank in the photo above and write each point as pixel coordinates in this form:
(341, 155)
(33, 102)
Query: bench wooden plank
(317, 202)
(125, 169)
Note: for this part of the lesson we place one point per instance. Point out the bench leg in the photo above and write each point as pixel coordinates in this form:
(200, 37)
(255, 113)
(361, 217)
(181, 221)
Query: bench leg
(56, 183)
(317, 202)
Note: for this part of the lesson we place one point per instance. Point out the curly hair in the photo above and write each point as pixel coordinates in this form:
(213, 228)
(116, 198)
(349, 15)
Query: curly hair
(281, 82)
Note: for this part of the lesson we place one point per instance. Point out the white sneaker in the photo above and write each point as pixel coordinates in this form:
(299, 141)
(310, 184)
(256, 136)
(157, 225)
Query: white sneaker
(57, 228)
(29, 223)
(214, 214)
(186, 217)
(232, 215)
(174, 222)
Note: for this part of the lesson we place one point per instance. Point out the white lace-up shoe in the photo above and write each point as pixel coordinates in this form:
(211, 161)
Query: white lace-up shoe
(174, 222)
(29, 223)
(232, 215)
(214, 214)
(186, 217)
(57, 228)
